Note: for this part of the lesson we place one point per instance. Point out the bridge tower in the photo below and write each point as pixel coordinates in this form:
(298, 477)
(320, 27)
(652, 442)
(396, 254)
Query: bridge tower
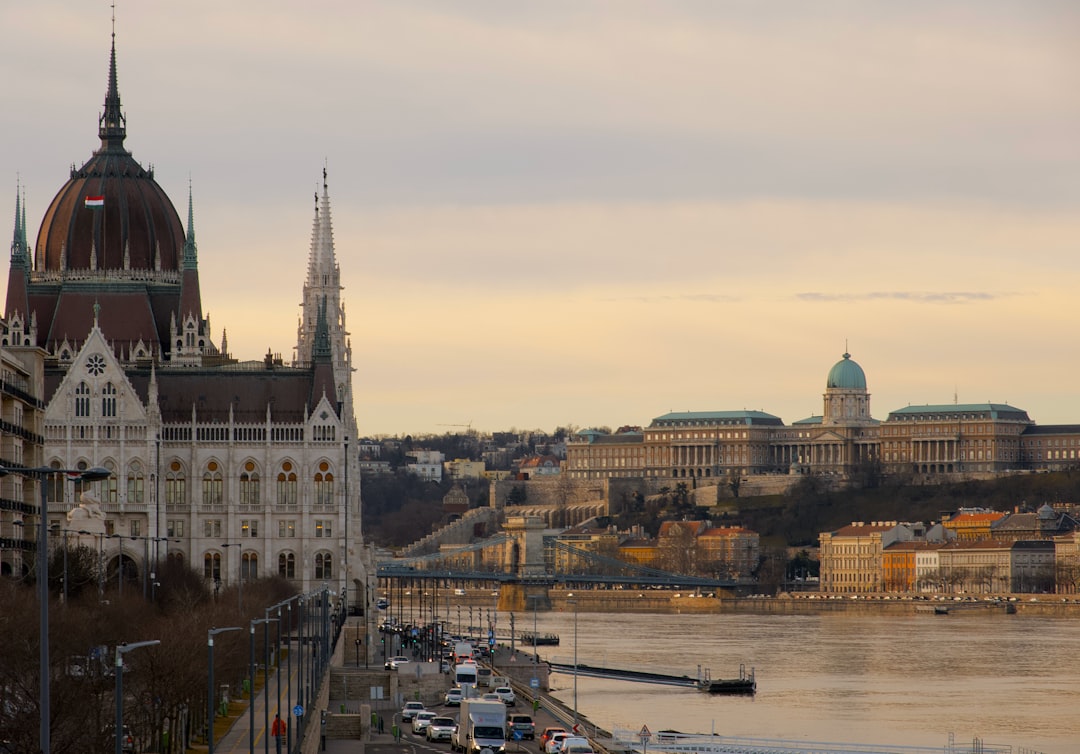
(526, 563)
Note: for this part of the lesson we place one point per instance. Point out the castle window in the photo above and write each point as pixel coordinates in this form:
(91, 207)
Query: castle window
(82, 400)
(108, 400)
(249, 484)
(175, 485)
(324, 485)
(286, 484)
(287, 565)
(212, 566)
(135, 487)
(323, 563)
(212, 486)
(249, 566)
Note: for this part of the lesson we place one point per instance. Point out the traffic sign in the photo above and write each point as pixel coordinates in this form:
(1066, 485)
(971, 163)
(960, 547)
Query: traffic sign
(645, 734)
(534, 683)
(298, 711)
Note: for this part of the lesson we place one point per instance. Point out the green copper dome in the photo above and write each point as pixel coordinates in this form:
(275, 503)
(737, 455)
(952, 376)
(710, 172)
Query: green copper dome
(847, 375)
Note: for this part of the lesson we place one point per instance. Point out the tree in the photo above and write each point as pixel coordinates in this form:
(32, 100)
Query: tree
(734, 482)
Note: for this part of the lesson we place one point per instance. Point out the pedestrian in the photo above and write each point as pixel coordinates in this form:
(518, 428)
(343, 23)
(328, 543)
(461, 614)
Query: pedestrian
(277, 730)
(380, 723)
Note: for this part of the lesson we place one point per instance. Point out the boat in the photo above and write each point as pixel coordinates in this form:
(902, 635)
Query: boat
(744, 684)
(542, 640)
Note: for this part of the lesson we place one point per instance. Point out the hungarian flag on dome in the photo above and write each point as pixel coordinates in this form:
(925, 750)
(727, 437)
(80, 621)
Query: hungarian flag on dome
(95, 202)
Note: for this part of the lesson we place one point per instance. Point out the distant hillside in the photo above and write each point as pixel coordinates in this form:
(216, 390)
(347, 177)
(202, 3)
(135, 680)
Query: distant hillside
(796, 518)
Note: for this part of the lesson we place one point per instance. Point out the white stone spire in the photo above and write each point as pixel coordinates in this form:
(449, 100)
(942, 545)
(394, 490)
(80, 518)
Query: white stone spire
(324, 284)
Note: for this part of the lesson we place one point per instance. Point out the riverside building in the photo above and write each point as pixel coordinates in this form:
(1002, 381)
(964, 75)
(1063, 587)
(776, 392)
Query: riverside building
(239, 467)
(933, 442)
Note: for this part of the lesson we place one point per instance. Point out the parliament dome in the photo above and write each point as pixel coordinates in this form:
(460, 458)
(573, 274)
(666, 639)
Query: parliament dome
(136, 226)
(846, 375)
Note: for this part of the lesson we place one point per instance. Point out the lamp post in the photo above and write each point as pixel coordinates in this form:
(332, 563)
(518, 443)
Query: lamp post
(572, 601)
(210, 684)
(42, 473)
(251, 681)
(121, 650)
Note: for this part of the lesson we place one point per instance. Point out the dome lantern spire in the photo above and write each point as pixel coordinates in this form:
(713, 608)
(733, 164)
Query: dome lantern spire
(112, 125)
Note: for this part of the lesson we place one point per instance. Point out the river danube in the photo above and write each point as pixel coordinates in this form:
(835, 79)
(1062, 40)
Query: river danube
(1006, 679)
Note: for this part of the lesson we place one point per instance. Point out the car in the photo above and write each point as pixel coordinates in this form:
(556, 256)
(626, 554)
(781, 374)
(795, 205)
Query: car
(575, 745)
(410, 709)
(453, 697)
(491, 696)
(548, 733)
(520, 726)
(127, 741)
(396, 662)
(554, 744)
(506, 694)
(421, 720)
(440, 729)
(383, 603)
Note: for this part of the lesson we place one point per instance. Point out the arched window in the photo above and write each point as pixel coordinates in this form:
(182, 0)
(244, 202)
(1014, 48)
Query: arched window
(249, 484)
(212, 566)
(249, 566)
(286, 565)
(135, 483)
(108, 400)
(175, 485)
(324, 485)
(82, 400)
(286, 484)
(110, 487)
(323, 568)
(212, 487)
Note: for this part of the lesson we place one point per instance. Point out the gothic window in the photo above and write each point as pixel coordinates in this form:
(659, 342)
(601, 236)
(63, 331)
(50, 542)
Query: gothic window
(175, 527)
(323, 528)
(110, 487)
(324, 485)
(249, 566)
(249, 484)
(212, 485)
(135, 483)
(286, 483)
(286, 528)
(212, 528)
(175, 485)
(322, 565)
(212, 566)
(287, 565)
(249, 527)
(82, 400)
(108, 400)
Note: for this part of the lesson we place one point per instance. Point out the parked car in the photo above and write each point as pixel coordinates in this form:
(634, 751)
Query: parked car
(506, 694)
(395, 662)
(548, 733)
(520, 726)
(421, 720)
(410, 709)
(440, 729)
(453, 697)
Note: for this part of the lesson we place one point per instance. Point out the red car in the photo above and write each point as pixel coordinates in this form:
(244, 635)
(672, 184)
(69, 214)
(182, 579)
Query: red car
(547, 734)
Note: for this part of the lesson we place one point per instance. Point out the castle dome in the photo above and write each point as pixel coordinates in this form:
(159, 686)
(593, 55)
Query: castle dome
(137, 226)
(846, 375)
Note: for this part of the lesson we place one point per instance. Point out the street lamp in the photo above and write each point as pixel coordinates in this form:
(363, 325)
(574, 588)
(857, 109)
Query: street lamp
(210, 684)
(251, 681)
(41, 473)
(572, 601)
(121, 650)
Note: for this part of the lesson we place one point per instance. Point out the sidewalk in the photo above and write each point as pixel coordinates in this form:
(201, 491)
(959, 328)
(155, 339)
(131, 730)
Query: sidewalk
(237, 740)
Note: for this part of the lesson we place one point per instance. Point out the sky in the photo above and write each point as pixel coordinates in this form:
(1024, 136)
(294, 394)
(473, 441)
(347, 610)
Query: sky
(575, 213)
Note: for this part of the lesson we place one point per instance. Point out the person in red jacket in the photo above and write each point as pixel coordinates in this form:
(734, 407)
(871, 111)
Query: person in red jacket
(277, 730)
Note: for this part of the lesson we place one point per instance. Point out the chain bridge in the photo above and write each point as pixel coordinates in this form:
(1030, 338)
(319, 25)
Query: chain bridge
(522, 562)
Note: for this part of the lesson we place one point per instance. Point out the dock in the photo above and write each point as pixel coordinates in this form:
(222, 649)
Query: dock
(744, 684)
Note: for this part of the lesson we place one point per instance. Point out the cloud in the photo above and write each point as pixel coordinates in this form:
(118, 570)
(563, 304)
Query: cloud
(920, 297)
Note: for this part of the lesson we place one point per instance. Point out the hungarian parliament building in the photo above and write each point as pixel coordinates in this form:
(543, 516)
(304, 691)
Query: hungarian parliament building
(932, 441)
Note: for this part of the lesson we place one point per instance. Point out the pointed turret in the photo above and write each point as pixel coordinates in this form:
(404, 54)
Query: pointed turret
(19, 271)
(112, 125)
(190, 296)
(322, 363)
